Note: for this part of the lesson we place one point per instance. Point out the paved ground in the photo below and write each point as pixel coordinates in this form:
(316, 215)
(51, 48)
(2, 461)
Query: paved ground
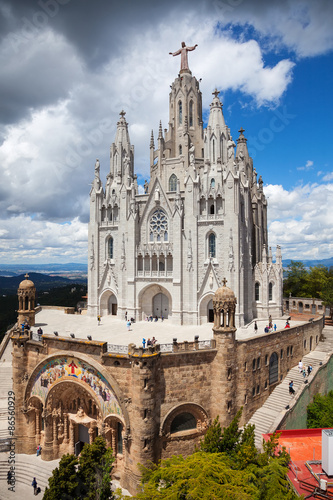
(114, 330)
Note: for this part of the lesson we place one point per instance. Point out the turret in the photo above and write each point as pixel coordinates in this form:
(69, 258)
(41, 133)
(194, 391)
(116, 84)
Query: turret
(122, 154)
(216, 133)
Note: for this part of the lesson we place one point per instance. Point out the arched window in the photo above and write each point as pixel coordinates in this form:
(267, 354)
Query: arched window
(180, 112)
(183, 422)
(110, 248)
(213, 150)
(180, 149)
(257, 292)
(212, 209)
(212, 245)
(191, 113)
(270, 291)
(173, 183)
(158, 226)
(212, 183)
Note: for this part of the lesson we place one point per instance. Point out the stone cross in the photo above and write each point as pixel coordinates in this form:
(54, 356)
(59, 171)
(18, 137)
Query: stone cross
(224, 281)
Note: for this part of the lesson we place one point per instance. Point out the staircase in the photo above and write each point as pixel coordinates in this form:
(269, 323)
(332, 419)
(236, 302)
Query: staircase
(6, 385)
(267, 418)
(26, 468)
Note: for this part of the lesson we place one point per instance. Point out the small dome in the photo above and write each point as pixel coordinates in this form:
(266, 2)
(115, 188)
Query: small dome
(224, 293)
(25, 284)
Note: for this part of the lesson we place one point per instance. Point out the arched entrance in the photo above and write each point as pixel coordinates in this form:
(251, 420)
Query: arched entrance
(161, 305)
(300, 307)
(206, 313)
(108, 303)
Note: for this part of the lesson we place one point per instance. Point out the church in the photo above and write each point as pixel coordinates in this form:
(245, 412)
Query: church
(202, 217)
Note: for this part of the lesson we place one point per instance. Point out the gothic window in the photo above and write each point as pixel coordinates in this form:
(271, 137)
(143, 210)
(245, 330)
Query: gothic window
(183, 422)
(173, 183)
(212, 245)
(257, 292)
(180, 112)
(191, 113)
(212, 209)
(110, 248)
(273, 368)
(158, 225)
(270, 291)
(212, 183)
(213, 150)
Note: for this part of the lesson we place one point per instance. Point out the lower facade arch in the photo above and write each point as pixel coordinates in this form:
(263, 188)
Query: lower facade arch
(155, 300)
(108, 304)
(206, 312)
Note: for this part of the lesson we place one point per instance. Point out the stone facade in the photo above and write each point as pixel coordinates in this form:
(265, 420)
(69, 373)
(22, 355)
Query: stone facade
(202, 217)
(148, 404)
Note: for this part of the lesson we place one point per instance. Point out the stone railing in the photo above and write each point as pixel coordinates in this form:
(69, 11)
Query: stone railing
(119, 349)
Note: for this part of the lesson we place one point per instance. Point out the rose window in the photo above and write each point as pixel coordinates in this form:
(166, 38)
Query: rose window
(158, 226)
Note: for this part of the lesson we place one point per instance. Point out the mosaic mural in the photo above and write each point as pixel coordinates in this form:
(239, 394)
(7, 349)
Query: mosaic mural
(67, 368)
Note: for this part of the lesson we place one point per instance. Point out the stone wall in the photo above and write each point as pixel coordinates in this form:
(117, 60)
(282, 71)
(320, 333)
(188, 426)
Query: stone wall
(153, 388)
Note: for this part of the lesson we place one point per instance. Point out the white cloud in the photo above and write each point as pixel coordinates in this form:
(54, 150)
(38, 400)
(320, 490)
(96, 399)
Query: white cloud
(307, 166)
(300, 220)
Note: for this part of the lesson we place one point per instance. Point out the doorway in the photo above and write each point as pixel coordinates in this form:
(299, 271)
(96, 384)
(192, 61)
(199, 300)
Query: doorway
(161, 305)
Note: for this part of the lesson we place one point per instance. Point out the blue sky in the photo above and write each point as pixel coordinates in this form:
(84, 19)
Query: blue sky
(69, 68)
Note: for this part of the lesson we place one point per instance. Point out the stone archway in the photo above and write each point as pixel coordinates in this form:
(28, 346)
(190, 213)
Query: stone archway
(206, 312)
(108, 303)
(149, 305)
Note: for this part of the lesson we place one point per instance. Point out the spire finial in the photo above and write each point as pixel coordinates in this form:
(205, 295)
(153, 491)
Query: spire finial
(122, 113)
(26, 276)
(241, 131)
(160, 131)
(216, 92)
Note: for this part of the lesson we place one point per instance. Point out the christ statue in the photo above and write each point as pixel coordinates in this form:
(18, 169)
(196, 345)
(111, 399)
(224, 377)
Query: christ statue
(183, 51)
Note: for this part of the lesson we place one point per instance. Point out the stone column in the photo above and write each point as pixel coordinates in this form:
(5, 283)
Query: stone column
(55, 436)
(66, 440)
(91, 433)
(71, 436)
(48, 438)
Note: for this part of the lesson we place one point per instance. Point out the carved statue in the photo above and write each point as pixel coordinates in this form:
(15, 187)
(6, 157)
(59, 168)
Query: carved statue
(192, 151)
(145, 187)
(97, 169)
(183, 51)
(231, 146)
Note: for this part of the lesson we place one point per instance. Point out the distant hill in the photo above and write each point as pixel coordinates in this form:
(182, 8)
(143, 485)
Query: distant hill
(310, 263)
(43, 282)
(68, 268)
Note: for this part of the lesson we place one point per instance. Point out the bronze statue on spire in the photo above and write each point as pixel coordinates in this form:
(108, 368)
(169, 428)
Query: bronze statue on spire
(183, 58)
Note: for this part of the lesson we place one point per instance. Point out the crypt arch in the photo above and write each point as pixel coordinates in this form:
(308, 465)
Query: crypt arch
(108, 303)
(69, 406)
(147, 301)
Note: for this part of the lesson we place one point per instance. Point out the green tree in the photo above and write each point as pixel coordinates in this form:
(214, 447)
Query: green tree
(320, 411)
(316, 280)
(326, 294)
(86, 478)
(295, 280)
(239, 472)
(64, 484)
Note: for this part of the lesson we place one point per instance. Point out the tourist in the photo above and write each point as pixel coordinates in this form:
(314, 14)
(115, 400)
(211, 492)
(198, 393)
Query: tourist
(126, 316)
(309, 369)
(304, 372)
(255, 327)
(144, 343)
(99, 319)
(291, 387)
(287, 324)
(9, 477)
(149, 342)
(34, 485)
(266, 329)
(300, 366)
(128, 324)
(153, 341)
(274, 327)
(162, 318)
(39, 449)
